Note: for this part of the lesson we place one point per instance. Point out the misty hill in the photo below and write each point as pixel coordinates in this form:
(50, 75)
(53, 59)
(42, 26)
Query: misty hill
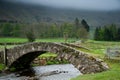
(34, 14)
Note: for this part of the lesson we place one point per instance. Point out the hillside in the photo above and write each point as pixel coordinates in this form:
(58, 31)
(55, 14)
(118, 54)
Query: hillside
(34, 14)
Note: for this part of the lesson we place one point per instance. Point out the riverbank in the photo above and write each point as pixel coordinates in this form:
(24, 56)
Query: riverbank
(48, 72)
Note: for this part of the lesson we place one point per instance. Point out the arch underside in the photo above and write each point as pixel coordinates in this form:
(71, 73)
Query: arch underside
(24, 61)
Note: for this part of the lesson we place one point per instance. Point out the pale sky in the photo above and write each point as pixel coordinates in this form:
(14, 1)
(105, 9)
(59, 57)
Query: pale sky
(77, 4)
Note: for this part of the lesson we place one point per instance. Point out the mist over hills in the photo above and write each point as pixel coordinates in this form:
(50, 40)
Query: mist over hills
(27, 13)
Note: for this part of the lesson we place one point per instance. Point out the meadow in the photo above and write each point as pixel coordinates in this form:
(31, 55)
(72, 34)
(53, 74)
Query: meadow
(23, 40)
(96, 49)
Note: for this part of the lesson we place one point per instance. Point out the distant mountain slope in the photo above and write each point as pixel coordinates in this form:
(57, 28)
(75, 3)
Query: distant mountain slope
(29, 14)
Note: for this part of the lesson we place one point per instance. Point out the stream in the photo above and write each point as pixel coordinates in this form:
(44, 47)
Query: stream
(48, 72)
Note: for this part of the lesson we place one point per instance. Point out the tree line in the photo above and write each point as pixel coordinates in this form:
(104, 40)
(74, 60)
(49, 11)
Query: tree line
(107, 33)
(77, 29)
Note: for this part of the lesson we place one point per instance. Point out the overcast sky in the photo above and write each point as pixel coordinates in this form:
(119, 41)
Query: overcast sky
(77, 4)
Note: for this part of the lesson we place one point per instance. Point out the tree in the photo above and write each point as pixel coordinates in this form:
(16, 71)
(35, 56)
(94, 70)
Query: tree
(77, 23)
(30, 35)
(66, 31)
(96, 34)
(85, 25)
(65, 35)
(16, 31)
(82, 33)
(107, 33)
(53, 30)
(118, 35)
(7, 30)
(113, 30)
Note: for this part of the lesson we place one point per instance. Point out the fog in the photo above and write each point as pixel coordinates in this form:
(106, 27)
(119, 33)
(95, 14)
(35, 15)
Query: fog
(103, 5)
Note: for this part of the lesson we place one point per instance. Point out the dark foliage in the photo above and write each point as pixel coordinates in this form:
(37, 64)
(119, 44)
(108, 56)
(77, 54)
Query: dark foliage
(85, 25)
(107, 33)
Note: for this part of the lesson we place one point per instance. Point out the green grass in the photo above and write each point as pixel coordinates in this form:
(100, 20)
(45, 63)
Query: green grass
(12, 40)
(2, 66)
(48, 54)
(20, 40)
(97, 49)
(55, 40)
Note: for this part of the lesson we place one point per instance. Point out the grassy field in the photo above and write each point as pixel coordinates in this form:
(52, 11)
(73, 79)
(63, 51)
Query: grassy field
(55, 40)
(12, 40)
(97, 49)
(22, 40)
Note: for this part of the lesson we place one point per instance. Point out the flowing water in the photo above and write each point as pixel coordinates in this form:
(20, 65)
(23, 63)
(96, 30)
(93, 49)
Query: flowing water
(49, 72)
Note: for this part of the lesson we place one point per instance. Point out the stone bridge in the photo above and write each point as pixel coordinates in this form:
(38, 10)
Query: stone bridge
(21, 56)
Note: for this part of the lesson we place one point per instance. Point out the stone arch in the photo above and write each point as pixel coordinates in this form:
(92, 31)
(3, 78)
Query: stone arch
(82, 61)
(24, 61)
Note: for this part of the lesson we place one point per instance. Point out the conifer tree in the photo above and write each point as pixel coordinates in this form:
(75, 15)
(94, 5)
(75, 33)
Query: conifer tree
(96, 34)
(118, 35)
(85, 25)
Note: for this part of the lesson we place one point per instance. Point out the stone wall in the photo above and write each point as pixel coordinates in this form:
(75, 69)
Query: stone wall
(1, 57)
(113, 53)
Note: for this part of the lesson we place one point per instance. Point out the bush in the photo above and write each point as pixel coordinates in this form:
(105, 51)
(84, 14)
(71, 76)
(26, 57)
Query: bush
(30, 36)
